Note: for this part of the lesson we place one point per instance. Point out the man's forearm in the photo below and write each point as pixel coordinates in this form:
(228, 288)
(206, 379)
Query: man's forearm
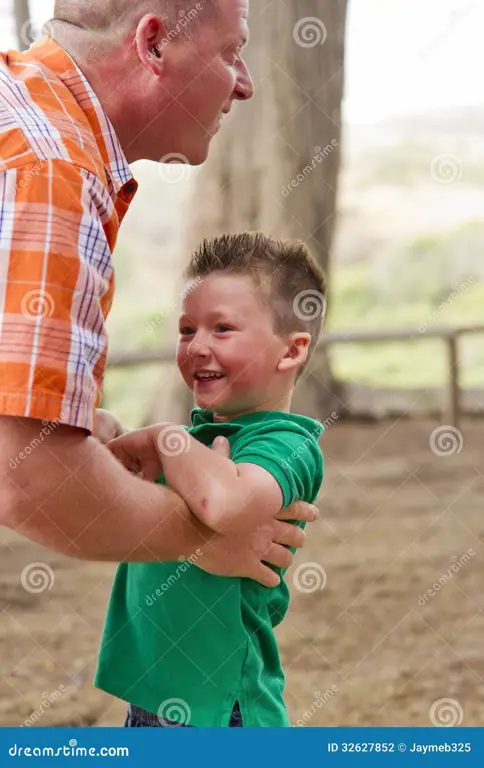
(70, 494)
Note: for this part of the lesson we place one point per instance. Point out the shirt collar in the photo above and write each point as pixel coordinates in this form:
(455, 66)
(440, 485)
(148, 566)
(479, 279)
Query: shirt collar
(200, 417)
(56, 58)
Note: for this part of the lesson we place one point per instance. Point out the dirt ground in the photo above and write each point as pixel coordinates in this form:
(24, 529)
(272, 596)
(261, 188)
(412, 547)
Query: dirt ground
(386, 625)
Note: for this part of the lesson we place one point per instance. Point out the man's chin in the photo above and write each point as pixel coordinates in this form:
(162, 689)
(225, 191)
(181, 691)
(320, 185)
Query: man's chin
(199, 156)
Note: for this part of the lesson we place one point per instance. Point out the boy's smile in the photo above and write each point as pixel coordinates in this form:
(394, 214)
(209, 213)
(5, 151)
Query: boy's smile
(228, 352)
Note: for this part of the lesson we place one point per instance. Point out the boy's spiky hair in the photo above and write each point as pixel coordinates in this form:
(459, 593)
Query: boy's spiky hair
(289, 278)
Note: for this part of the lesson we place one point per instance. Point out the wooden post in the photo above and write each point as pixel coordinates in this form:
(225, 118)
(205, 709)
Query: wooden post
(453, 399)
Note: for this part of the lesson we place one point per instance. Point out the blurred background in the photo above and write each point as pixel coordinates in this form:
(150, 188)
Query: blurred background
(364, 139)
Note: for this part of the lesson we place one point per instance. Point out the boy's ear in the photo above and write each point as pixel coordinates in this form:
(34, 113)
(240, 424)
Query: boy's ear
(296, 353)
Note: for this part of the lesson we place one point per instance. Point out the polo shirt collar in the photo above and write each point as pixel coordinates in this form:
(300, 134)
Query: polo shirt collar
(57, 59)
(199, 417)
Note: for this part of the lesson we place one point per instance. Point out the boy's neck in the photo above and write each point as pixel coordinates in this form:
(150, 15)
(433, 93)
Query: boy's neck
(283, 405)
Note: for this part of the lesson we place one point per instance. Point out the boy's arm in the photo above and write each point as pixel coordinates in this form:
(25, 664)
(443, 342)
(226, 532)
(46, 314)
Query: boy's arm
(226, 497)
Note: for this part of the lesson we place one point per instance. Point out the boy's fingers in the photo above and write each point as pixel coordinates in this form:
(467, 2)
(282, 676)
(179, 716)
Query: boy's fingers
(221, 446)
(301, 511)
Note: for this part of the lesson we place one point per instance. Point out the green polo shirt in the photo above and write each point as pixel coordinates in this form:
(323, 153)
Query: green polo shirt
(174, 632)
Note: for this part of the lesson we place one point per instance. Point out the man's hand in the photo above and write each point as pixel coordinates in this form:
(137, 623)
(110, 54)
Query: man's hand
(106, 426)
(235, 555)
(242, 554)
(138, 452)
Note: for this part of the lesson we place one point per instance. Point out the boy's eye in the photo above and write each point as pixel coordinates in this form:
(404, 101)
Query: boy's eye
(223, 328)
(186, 330)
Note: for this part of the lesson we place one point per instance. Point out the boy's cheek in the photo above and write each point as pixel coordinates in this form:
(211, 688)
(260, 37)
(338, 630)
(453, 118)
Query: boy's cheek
(181, 357)
(183, 367)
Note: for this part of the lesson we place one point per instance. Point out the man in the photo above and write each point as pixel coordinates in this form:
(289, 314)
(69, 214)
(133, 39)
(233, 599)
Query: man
(116, 81)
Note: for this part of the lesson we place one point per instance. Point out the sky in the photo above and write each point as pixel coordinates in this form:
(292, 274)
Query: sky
(402, 56)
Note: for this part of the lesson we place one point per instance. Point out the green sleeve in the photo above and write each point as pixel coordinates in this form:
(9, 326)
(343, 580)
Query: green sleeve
(290, 454)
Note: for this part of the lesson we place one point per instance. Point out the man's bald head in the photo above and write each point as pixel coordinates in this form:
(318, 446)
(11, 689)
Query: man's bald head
(165, 71)
(106, 15)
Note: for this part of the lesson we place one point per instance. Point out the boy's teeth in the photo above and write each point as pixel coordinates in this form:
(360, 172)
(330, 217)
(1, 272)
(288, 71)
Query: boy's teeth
(208, 375)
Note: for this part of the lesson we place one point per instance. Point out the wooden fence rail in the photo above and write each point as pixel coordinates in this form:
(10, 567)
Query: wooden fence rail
(448, 335)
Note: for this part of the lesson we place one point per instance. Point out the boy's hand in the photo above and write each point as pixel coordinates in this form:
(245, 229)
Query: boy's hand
(106, 426)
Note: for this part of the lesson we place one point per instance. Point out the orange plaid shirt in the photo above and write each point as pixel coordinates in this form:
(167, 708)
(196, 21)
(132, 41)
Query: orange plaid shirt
(65, 186)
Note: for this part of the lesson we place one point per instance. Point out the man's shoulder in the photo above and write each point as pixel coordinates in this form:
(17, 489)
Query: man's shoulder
(41, 120)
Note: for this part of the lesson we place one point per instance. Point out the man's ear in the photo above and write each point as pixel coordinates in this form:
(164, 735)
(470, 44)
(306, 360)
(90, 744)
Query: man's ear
(296, 353)
(150, 35)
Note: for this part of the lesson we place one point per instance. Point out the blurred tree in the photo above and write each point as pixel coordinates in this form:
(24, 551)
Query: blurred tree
(23, 27)
(428, 268)
(275, 166)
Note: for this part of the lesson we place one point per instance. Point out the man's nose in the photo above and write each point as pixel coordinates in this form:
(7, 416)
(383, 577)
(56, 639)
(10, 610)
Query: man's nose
(244, 86)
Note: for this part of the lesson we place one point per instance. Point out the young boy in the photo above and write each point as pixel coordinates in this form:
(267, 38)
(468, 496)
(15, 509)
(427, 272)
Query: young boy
(182, 646)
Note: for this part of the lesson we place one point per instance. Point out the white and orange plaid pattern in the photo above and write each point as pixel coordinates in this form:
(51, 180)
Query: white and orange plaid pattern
(65, 186)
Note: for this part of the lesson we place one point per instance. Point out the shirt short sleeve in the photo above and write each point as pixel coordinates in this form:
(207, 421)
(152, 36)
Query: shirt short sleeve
(289, 452)
(56, 286)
